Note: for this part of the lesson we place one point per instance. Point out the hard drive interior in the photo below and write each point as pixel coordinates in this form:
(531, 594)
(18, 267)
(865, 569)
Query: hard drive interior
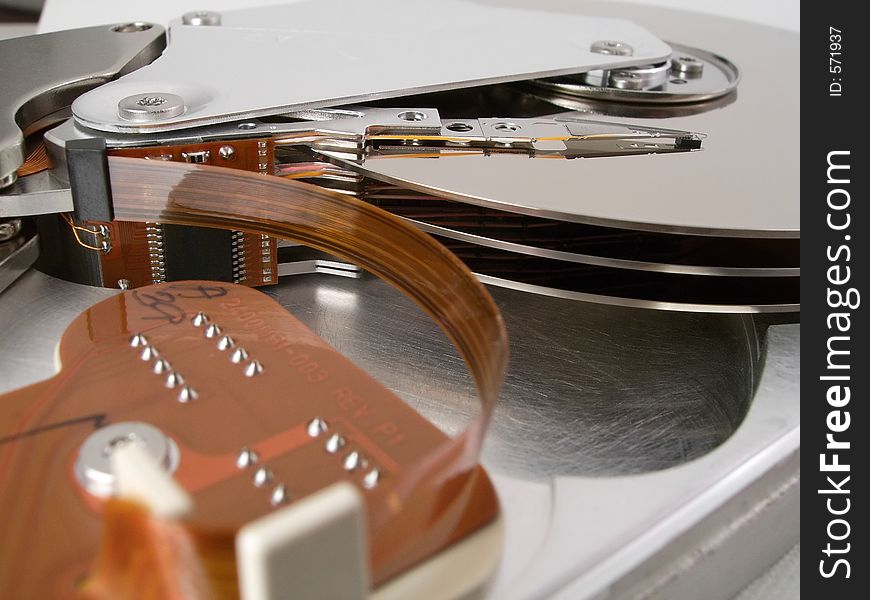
(648, 427)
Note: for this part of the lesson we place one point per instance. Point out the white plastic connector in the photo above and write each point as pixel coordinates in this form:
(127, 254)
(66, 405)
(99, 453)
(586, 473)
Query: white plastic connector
(315, 549)
(139, 477)
(461, 571)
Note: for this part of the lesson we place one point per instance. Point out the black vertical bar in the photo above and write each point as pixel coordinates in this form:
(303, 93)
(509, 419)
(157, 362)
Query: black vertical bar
(835, 224)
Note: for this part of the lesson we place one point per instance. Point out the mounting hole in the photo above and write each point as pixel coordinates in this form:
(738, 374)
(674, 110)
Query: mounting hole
(506, 127)
(460, 127)
(412, 115)
(247, 126)
(679, 81)
(132, 27)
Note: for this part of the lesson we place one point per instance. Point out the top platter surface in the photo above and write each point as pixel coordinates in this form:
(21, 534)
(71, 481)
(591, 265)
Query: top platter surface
(743, 183)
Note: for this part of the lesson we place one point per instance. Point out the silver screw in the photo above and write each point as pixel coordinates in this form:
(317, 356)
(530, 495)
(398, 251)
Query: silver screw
(201, 18)
(227, 152)
(626, 80)
(152, 106)
(612, 47)
(124, 284)
(687, 66)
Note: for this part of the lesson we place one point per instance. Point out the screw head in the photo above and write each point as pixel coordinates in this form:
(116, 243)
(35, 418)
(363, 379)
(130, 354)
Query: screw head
(687, 66)
(227, 153)
(626, 80)
(150, 106)
(612, 47)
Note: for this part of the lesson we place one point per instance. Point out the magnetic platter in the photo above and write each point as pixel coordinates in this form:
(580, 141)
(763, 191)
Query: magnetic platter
(713, 229)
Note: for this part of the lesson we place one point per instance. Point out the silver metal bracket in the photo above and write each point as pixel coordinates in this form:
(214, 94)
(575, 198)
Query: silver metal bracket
(352, 128)
(71, 62)
(319, 53)
(353, 132)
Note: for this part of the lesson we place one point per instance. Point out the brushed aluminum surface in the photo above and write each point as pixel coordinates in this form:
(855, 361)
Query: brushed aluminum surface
(591, 389)
(623, 428)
